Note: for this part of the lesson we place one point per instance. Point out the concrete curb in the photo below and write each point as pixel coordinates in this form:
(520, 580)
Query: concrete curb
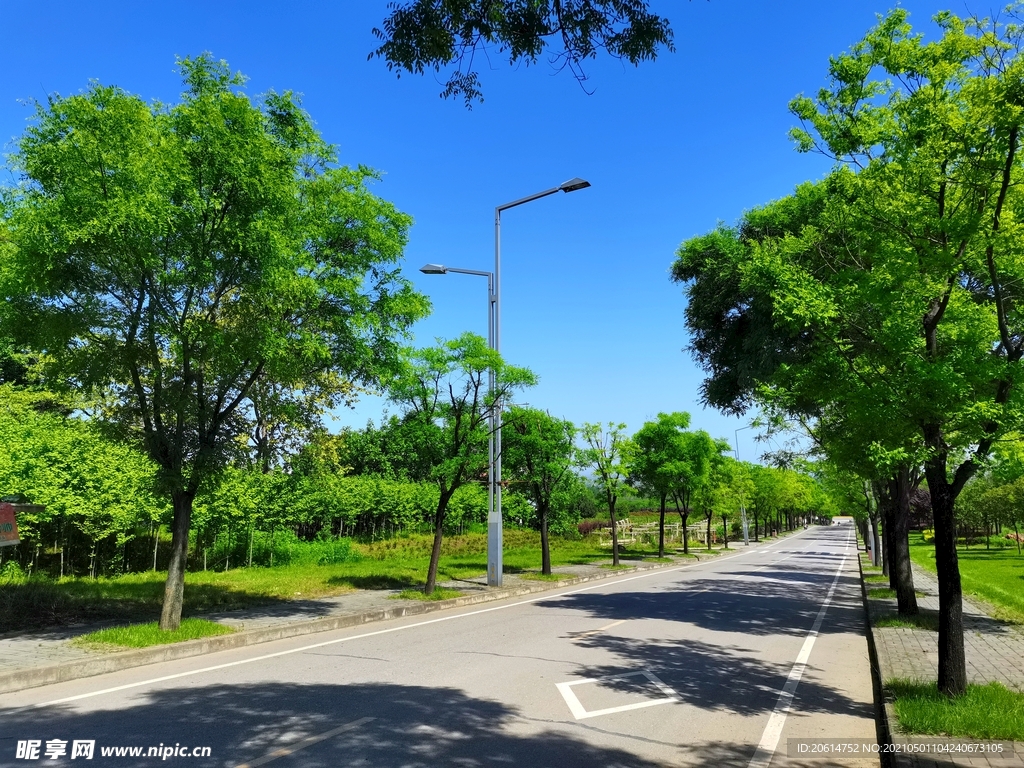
(113, 662)
(884, 713)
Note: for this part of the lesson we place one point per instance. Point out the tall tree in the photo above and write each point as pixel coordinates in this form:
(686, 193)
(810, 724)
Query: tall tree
(448, 405)
(609, 453)
(539, 452)
(173, 257)
(434, 34)
(934, 130)
(659, 448)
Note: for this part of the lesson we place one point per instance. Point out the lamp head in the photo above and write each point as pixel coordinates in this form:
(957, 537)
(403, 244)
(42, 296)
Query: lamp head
(573, 184)
(434, 269)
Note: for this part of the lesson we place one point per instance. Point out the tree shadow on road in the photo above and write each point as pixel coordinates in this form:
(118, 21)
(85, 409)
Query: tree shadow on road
(411, 726)
(727, 678)
(765, 603)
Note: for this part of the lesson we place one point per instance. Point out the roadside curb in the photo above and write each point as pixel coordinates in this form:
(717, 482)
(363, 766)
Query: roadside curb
(114, 662)
(884, 713)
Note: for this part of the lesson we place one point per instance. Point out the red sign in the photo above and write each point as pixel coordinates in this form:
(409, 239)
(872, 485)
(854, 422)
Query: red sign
(8, 526)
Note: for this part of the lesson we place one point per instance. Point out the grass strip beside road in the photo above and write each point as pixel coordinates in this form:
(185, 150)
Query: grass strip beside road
(994, 575)
(399, 563)
(437, 594)
(989, 711)
(145, 635)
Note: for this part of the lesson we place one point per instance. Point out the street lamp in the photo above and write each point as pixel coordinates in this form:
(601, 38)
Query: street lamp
(743, 510)
(494, 531)
(441, 269)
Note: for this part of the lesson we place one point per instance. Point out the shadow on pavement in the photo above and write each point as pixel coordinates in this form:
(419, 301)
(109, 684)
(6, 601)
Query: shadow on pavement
(413, 727)
(716, 677)
(765, 603)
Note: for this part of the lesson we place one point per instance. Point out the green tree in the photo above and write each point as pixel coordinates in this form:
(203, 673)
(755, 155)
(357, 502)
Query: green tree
(689, 472)
(656, 461)
(448, 407)
(539, 452)
(712, 494)
(173, 257)
(609, 453)
(422, 35)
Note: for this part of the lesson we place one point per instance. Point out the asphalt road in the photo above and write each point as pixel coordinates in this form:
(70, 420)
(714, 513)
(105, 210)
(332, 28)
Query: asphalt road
(718, 663)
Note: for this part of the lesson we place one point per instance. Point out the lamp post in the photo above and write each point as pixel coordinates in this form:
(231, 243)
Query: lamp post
(492, 301)
(743, 510)
(494, 531)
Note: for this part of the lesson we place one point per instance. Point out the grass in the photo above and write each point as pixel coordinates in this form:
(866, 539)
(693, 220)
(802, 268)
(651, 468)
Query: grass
(437, 594)
(876, 578)
(994, 575)
(145, 635)
(398, 563)
(879, 593)
(989, 711)
(882, 594)
(920, 621)
(544, 576)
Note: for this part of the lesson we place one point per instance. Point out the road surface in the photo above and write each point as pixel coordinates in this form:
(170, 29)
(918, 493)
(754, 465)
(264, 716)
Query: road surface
(716, 663)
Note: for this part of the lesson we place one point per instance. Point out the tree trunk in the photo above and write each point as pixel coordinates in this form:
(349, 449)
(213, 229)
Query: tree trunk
(876, 548)
(755, 529)
(174, 591)
(725, 532)
(686, 538)
(952, 661)
(615, 529)
(661, 527)
(545, 550)
(709, 528)
(435, 552)
(897, 527)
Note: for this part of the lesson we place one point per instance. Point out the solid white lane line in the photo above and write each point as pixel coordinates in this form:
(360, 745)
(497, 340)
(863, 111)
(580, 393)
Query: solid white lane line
(307, 742)
(599, 629)
(773, 730)
(264, 657)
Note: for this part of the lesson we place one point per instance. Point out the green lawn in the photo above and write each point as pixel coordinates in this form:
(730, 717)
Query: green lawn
(984, 712)
(994, 575)
(399, 563)
(145, 635)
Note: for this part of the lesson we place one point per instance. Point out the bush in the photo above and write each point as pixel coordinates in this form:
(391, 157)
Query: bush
(589, 526)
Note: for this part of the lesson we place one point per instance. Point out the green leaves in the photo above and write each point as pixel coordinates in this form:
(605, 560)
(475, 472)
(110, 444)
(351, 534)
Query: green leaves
(175, 256)
(429, 34)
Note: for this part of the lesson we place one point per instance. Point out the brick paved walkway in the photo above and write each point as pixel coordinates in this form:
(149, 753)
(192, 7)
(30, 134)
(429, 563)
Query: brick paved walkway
(994, 651)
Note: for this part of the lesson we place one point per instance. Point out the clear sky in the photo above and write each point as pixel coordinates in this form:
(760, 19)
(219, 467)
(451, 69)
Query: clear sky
(671, 148)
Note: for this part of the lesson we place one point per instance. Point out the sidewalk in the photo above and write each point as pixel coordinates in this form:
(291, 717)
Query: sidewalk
(994, 651)
(46, 656)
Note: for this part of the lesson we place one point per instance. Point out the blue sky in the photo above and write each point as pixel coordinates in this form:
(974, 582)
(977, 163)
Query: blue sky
(671, 148)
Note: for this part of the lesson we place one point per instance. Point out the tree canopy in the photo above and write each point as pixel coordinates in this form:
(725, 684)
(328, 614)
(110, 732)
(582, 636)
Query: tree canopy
(884, 300)
(421, 35)
(168, 259)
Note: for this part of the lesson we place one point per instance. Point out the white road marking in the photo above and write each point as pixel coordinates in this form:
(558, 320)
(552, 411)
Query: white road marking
(773, 730)
(580, 713)
(310, 647)
(307, 742)
(599, 629)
